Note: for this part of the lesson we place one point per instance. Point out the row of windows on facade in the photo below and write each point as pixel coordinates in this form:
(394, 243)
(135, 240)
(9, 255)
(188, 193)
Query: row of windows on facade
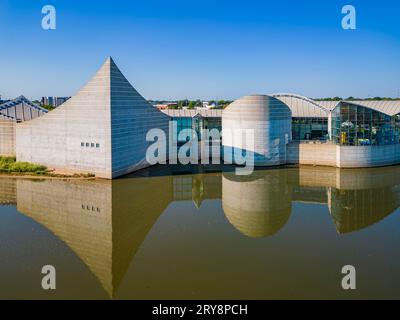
(92, 208)
(90, 144)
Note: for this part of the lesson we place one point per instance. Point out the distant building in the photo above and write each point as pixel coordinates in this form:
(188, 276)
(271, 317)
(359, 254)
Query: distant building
(17, 110)
(208, 105)
(58, 101)
(53, 101)
(165, 106)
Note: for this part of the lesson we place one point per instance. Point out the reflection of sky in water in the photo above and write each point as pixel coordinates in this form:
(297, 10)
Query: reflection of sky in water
(281, 233)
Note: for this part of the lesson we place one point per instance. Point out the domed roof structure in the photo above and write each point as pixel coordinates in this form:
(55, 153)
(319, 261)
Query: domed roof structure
(268, 118)
(253, 104)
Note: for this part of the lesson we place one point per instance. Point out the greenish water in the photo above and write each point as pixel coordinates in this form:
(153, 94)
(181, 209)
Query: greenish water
(166, 234)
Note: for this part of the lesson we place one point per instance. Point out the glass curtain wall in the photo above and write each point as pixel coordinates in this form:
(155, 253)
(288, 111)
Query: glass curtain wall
(196, 123)
(354, 125)
(183, 123)
(309, 129)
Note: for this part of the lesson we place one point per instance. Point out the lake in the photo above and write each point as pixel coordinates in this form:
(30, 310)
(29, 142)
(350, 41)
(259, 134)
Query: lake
(179, 233)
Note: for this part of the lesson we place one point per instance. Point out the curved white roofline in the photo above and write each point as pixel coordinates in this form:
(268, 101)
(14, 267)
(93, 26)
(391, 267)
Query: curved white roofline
(388, 107)
(297, 96)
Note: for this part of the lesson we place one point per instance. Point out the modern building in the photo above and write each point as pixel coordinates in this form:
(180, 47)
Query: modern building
(12, 112)
(101, 130)
(194, 121)
(165, 106)
(53, 101)
(21, 109)
(347, 134)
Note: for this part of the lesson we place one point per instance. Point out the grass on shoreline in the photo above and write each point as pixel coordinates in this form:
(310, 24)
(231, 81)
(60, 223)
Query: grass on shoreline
(10, 165)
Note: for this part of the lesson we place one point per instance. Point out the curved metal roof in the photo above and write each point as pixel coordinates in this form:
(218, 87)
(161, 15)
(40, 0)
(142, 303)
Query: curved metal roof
(329, 105)
(302, 107)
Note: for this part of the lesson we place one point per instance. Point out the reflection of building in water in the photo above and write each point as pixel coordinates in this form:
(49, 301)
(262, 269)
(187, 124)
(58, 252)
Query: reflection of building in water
(353, 210)
(258, 205)
(105, 222)
(197, 187)
(7, 191)
(365, 197)
(356, 198)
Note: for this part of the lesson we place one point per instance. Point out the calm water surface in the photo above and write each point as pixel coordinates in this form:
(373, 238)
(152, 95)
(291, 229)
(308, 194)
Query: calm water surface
(166, 234)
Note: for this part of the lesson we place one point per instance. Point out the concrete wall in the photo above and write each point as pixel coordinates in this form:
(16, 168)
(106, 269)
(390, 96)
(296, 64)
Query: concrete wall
(54, 140)
(367, 156)
(328, 154)
(100, 130)
(7, 138)
(131, 117)
(323, 154)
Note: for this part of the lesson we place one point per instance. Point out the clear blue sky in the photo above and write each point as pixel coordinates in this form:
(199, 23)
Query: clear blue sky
(204, 49)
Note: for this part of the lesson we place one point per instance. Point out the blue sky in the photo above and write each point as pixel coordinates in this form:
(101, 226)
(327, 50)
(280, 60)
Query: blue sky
(203, 49)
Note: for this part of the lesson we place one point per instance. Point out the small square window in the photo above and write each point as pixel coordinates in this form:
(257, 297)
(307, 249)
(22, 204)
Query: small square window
(97, 145)
(92, 145)
(82, 144)
(87, 144)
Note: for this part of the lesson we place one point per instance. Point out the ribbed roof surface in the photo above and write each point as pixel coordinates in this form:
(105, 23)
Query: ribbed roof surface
(21, 109)
(302, 107)
(329, 105)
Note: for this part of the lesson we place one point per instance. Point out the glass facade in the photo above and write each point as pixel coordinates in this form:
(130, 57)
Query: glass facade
(309, 129)
(212, 123)
(183, 123)
(354, 125)
(197, 123)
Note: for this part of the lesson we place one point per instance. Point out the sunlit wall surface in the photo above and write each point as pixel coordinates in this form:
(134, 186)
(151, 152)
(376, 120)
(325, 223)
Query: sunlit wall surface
(354, 125)
(270, 122)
